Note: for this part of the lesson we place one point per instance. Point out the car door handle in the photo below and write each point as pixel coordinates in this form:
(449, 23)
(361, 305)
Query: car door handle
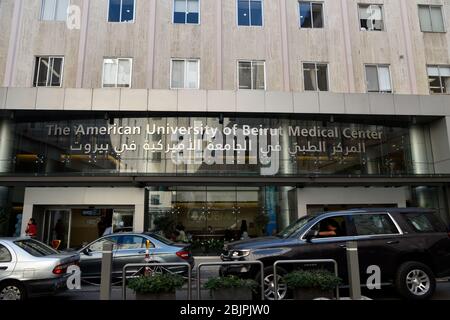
(393, 242)
(141, 252)
(3, 268)
(343, 246)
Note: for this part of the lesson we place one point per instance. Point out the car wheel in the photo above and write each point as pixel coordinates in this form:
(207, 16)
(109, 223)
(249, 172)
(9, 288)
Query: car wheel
(415, 281)
(269, 286)
(12, 291)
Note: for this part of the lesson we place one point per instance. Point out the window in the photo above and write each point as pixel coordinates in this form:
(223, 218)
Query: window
(250, 12)
(186, 11)
(315, 76)
(424, 223)
(331, 227)
(374, 224)
(5, 256)
(252, 75)
(117, 72)
(378, 78)
(311, 14)
(439, 79)
(121, 11)
(48, 71)
(371, 17)
(97, 246)
(35, 248)
(431, 19)
(130, 242)
(155, 199)
(185, 74)
(54, 10)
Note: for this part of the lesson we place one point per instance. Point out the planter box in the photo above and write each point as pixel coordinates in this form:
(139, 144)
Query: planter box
(155, 296)
(232, 294)
(311, 294)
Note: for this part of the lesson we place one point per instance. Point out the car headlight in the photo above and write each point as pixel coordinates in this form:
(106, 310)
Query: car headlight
(238, 254)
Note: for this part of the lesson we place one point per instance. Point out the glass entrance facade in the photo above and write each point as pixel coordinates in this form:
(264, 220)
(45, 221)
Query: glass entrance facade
(209, 213)
(181, 146)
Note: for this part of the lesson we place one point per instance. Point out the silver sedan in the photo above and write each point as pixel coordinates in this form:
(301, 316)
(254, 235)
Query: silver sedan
(131, 248)
(31, 268)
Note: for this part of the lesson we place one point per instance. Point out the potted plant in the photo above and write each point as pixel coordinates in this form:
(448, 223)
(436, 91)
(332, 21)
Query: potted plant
(311, 284)
(231, 288)
(158, 286)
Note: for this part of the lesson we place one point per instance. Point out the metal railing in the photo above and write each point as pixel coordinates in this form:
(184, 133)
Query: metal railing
(230, 263)
(180, 264)
(279, 262)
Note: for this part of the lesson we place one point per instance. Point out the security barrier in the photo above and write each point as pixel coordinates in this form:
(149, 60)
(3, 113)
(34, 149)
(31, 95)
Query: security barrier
(229, 263)
(279, 262)
(180, 264)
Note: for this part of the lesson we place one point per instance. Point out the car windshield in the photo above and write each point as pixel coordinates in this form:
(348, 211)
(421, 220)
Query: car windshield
(161, 239)
(294, 227)
(35, 248)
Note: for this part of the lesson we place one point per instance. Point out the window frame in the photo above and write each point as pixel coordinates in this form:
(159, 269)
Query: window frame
(117, 74)
(251, 74)
(378, 75)
(250, 15)
(384, 29)
(429, 6)
(317, 78)
(185, 73)
(41, 13)
(438, 66)
(349, 218)
(185, 22)
(121, 5)
(316, 222)
(312, 19)
(36, 72)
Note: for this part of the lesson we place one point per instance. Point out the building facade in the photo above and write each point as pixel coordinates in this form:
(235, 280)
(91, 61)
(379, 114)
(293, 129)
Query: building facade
(219, 116)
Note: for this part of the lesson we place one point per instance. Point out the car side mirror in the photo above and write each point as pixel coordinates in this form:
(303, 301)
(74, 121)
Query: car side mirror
(311, 234)
(87, 251)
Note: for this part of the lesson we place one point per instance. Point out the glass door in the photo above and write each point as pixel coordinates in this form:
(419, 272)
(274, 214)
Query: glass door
(56, 227)
(122, 220)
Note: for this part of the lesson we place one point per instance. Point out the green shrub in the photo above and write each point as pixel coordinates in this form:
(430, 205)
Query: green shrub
(230, 282)
(322, 279)
(157, 283)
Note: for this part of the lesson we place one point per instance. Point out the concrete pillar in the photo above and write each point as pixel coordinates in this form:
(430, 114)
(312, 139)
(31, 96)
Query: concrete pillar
(6, 147)
(287, 168)
(420, 153)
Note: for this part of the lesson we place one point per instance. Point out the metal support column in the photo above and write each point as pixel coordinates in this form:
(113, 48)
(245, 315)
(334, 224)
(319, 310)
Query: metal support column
(105, 285)
(353, 270)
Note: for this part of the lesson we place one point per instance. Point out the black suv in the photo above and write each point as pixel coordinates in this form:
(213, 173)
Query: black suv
(410, 246)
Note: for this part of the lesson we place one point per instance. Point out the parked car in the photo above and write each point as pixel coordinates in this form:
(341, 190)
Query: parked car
(411, 247)
(131, 248)
(30, 268)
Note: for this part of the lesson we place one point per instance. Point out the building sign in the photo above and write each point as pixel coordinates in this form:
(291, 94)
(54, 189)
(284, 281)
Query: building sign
(206, 145)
